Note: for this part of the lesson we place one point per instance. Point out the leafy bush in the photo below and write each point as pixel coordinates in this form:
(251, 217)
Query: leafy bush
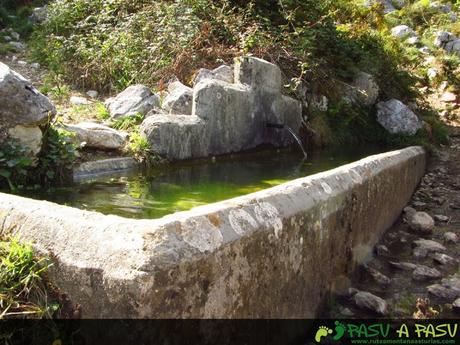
(108, 45)
(15, 163)
(53, 165)
(57, 157)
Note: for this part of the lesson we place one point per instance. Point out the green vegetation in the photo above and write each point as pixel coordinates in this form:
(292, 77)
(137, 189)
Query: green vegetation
(102, 113)
(15, 163)
(108, 45)
(53, 164)
(128, 122)
(139, 147)
(57, 157)
(24, 288)
(14, 14)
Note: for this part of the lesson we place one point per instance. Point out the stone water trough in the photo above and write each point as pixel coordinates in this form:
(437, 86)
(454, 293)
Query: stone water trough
(277, 253)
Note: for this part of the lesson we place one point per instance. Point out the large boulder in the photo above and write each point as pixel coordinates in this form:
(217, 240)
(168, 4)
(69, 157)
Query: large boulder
(30, 137)
(368, 88)
(363, 91)
(136, 99)
(24, 109)
(229, 117)
(447, 41)
(179, 99)
(176, 136)
(97, 136)
(222, 73)
(397, 118)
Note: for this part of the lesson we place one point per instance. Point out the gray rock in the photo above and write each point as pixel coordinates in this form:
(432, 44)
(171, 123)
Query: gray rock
(448, 97)
(368, 301)
(377, 276)
(35, 65)
(367, 90)
(136, 99)
(450, 237)
(445, 8)
(30, 137)
(179, 99)
(388, 6)
(222, 73)
(39, 15)
(421, 222)
(76, 100)
(98, 136)
(381, 250)
(424, 273)
(409, 212)
(447, 41)
(228, 117)
(442, 292)
(402, 31)
(346, 312)
(425, 50)
(23, 109)
(89, 170)
(15, 35)
(440, 218)
(399, 4)
(176, 137)
(92, 93)
(397, 118)
(432, 73)
(17, 45)
(419, 204)
(429, 246)
(405, 266)
(7, 38)
(452, 282)
(456, 305)
(319, 102)
(443, 259)
(413, 40)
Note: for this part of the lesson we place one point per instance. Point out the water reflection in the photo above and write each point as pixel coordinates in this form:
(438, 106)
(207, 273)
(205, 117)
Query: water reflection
(180, 187)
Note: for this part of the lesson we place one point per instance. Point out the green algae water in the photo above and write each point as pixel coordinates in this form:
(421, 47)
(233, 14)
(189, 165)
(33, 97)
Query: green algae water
(179, 187)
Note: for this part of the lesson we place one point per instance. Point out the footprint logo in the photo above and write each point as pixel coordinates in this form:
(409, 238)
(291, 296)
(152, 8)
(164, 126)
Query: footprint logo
(322, 332)
(339, 330)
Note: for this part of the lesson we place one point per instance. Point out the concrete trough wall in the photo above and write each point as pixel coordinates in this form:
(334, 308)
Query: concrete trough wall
(272, 254)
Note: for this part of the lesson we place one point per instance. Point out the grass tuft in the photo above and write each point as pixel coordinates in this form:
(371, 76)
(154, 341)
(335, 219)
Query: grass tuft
(23, 284)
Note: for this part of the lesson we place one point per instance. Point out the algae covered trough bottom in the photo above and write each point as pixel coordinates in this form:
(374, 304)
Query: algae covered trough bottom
(167, 189)
(277, 253)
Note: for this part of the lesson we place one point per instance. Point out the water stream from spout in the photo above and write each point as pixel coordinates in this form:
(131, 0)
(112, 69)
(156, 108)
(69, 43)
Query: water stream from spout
(293, 133)
(296, 137)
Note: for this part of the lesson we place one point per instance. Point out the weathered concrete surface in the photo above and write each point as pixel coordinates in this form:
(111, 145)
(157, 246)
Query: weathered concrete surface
(228, 117)
(274, 254)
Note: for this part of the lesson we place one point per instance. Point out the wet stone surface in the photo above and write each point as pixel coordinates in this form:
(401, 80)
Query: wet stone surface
(418, 257)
